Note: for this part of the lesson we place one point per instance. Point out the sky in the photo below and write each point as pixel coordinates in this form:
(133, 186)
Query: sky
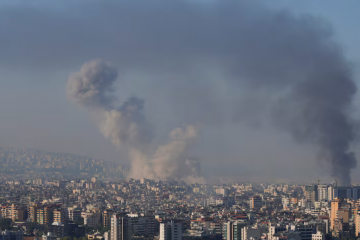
(43, 42)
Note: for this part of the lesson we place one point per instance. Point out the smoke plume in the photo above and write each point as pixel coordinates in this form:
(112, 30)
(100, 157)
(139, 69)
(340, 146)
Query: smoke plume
(127, 126)
(290, 66)
(171, 160)
(93, 84)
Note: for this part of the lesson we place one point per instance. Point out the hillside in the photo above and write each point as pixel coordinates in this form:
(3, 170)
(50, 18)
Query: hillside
(16, 163)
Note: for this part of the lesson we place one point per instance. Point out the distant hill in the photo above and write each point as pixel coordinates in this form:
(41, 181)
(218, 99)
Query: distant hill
(17, 163)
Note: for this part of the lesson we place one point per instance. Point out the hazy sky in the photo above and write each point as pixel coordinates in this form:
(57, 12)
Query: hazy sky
(42, 42)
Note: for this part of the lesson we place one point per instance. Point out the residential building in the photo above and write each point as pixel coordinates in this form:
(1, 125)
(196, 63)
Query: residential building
(107, 217)
(357, 223)
(322, 193)
(255, 202)
(318, 236)
(59, 216)
(311, 193)
(120, 227)
(171, 230)
(11, 235)
(232, 230)
(335, 204)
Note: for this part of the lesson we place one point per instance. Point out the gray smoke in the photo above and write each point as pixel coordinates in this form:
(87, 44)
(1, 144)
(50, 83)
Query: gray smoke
(289, 65)
(93, 84)
(317, 111)
(92, 87)
(127, 124)
(171, 160)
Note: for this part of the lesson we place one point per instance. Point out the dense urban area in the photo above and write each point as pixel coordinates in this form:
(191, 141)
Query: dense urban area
(18, 163)
(97, 208)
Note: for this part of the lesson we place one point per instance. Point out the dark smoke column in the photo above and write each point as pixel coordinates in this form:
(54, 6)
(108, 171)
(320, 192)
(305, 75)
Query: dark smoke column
(318, 110)
(327, 101)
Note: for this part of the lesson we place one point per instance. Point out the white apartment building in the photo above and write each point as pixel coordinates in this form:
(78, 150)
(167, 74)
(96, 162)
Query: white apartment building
(285, 202)
(120, 227)
(74, 214)
(222, 191)
(322, 193)
(171, 231)
(318, 236)
(330, 193)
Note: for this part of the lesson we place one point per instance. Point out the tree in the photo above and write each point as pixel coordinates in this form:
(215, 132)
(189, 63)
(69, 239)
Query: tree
(5, 224)
(31, 227)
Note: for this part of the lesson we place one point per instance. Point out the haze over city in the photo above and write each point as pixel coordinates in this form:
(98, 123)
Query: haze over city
(215, 91)
(179, 120)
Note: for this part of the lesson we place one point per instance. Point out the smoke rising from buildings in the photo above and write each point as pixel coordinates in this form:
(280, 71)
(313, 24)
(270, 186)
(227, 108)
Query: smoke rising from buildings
(293, 71)
(127, 126)
(171, 160)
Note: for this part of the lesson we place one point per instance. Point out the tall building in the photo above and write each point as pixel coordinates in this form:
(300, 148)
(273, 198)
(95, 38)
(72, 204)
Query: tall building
(330, 193)
(346, 192)
(232, 230)
(33, 213)
(274, 229)
(342, 192)
(357, 223)
(152, 224)
(16, 213)
(59, 216)
(107, 217)
(137, 224)
(255, 202)
(45, 215)
(356, 192)
(74, 214)
(322, 193)
(311, 193)
(335, 204)
(120, 227)
(306, 230)
(171, 230)
(91, 219)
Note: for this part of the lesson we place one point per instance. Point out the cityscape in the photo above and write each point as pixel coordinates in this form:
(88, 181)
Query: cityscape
(179, 120)
(148, 209)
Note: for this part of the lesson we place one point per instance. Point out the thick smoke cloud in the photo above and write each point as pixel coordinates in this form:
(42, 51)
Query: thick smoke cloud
(171, 161)
(127, 126)
(93, 84)
(290, 66)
